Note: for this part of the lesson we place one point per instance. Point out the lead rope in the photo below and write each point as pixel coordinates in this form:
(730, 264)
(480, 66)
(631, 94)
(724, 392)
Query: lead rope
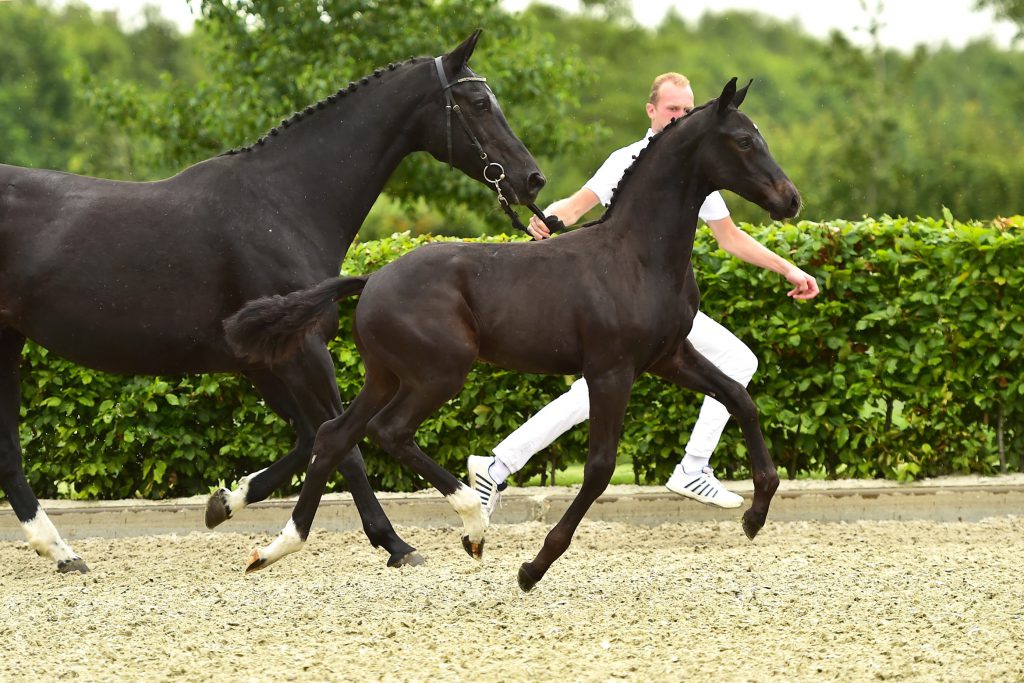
(451, 106)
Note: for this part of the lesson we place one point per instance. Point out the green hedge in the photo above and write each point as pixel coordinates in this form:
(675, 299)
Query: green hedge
(907, 365)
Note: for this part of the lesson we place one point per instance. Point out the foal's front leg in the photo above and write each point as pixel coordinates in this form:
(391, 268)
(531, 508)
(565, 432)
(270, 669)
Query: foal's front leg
(609, 396)
(687, 368)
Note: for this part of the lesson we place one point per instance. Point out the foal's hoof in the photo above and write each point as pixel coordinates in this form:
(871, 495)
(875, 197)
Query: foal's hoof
(752, 523)
(71, 566)
(217, 509)
(475, 550)
(526, 582)
(256, 562)
(410, 559)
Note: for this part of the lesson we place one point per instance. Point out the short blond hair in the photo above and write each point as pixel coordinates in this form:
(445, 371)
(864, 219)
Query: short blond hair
(670, 77)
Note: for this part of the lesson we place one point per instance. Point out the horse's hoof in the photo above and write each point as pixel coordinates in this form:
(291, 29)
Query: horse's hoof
(475, 550)
(217, 510)
(526, 582)
(410, 559)
(256, 562)
(751, 525)
(71, 566)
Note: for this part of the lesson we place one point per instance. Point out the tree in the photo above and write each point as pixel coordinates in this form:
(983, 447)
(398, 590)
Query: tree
(264, 59)
(1011, 10)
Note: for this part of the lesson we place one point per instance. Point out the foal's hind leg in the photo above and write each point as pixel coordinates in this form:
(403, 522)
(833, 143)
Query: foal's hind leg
(42, 535)
(687, 368)
(304, 392)
(394, 428)
(609, 396)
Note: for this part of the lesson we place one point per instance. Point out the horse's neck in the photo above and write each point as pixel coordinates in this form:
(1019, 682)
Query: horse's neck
(660, 209)
(330, 165)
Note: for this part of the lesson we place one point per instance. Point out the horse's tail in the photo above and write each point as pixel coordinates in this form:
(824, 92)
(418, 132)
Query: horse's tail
(269, 330)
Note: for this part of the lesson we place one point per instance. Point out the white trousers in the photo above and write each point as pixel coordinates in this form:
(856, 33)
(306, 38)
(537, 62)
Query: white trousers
(720, 346)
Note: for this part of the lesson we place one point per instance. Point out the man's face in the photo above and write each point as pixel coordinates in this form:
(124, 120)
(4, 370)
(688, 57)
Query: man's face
(673, 103)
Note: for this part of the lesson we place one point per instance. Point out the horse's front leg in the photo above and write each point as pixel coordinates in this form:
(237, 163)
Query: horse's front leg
(609, 396)
(42, 535)
(304, 392)
(687, 368)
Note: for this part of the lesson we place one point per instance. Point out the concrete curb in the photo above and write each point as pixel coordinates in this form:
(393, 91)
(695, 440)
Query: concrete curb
(644, 506)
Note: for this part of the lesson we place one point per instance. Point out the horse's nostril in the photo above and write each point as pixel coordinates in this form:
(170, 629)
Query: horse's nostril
(536, 181)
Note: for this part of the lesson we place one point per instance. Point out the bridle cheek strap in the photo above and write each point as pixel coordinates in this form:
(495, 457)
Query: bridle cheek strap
(498, 171)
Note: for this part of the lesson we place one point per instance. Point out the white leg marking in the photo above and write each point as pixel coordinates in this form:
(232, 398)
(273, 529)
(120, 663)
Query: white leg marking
(286, 543)
(466, 502)
(44, 538)
(236, 498)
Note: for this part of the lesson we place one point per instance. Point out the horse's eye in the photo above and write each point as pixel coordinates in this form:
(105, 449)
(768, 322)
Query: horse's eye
(483, 104)
(745, 142)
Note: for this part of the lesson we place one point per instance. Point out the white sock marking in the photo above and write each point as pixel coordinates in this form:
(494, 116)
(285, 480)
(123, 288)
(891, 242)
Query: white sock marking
(44, 538)
(466, 502)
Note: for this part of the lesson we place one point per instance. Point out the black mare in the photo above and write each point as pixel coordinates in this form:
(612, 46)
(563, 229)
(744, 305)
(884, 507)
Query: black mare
(619, 300)
(137, 278)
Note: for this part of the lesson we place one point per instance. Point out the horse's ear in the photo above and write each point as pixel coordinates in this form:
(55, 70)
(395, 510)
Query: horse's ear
(459, 57)
(737, 99)
(728, 93)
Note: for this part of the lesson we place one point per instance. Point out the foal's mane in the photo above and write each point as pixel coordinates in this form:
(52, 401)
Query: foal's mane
(322, 104)
(617, 192)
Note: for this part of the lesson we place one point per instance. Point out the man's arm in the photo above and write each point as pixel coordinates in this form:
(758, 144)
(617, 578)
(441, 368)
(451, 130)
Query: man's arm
(567, 210)
(746, 248)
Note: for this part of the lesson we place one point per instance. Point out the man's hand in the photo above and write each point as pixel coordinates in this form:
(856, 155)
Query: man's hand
(804, 286)
(541, 230)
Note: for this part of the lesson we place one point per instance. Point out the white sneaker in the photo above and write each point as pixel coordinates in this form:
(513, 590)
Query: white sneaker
(480, 481)
(702, 487)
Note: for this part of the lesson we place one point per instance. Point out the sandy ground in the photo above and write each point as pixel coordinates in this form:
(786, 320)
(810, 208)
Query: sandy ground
(864, 601)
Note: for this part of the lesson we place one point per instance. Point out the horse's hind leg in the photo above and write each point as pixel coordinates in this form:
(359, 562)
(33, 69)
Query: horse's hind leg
(42, 535)
(609, 396)
(687, 368)
(304, 393)
(335, 439)
(393, 429)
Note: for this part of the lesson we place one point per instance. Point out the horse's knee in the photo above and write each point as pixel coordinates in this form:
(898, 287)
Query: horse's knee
(10, 465)
(600, 468)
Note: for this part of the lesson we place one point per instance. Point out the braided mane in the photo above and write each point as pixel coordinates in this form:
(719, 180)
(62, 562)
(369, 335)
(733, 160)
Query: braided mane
(617, 192)
(322, 104)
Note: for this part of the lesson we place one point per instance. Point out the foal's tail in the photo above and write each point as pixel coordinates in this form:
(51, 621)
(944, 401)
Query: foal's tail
(269, 330)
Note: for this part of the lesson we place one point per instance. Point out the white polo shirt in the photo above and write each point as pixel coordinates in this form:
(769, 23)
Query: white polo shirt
(608, 176)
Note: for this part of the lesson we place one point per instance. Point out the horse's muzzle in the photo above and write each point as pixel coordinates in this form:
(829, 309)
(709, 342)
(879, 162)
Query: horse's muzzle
(788, 203)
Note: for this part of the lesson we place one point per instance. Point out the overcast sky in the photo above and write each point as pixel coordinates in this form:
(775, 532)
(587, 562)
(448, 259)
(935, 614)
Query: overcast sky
(905, 22)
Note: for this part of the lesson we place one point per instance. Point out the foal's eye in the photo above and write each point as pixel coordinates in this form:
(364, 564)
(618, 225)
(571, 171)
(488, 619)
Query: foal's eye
(745, 142)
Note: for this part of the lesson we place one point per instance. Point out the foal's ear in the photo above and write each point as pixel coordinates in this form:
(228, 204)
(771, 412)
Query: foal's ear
(737, 99)
(728, 93)
(459, 57)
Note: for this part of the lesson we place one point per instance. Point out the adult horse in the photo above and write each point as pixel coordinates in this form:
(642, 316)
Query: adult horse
(137, 278)
(423, 319)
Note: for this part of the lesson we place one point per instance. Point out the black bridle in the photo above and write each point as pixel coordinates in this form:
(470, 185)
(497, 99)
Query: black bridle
(491, 168)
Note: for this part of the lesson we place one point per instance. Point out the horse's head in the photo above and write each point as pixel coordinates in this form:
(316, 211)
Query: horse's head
(735, 157)
(468, 129)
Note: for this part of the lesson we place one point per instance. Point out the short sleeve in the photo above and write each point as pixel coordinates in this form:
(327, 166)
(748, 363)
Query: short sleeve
(713, 208)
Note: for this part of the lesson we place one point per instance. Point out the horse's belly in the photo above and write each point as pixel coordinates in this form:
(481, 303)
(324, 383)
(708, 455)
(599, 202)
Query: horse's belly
(128, 344)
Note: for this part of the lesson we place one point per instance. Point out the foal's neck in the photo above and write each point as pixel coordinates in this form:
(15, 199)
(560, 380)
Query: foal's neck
(660, 200)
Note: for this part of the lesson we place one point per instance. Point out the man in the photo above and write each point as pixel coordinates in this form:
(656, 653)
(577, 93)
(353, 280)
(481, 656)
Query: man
(670, 97)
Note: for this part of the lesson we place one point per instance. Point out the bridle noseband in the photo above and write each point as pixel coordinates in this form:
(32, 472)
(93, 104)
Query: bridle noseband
(491, 168)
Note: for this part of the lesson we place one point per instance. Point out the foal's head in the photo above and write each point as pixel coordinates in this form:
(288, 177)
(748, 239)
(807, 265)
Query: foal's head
(735, 157)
